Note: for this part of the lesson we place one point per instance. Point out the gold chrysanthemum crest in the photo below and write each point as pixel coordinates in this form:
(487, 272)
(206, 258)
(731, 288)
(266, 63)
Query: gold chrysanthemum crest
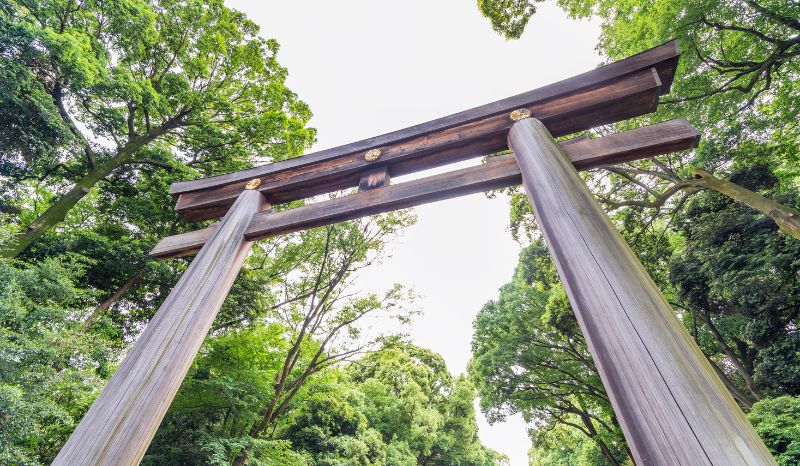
(253, 184)
(520, 114)
(372, 155)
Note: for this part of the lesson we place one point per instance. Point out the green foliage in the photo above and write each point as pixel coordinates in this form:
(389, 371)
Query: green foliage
(50, 371)
(331, 427)
(529, 357)
(112, 94)
(229, 382)
(565, 446)
(724, 265)
(396, 406)
(508, 17)
(32, 128)
(777, 421)
(738, 276)
(422, 414)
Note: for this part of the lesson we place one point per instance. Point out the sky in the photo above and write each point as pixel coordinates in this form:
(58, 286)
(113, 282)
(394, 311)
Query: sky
(368, 67)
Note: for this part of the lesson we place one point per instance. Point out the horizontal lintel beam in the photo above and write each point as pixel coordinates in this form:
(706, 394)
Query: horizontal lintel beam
(663, 58)
(631, 95)
(497, 172)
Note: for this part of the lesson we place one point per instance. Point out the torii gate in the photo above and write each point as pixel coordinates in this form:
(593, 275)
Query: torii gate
(673, 408)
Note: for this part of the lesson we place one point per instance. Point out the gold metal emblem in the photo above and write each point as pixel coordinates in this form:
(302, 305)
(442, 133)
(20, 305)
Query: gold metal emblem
(372, 155)
(520, 114)
(253, 184)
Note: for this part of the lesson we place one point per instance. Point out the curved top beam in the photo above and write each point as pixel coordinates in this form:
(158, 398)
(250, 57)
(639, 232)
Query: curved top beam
(573, 104)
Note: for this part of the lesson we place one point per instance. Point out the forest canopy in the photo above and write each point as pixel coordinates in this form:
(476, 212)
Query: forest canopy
(715, 227)
(103, 105)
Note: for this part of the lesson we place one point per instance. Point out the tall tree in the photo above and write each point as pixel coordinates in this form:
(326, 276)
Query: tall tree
(737, 80)
(425, 416)
(323, 313)
(100, 87)
(737, 278)
(529, 357)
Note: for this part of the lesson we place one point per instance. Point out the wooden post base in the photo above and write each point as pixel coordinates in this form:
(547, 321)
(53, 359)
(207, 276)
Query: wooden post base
(673, 408)
(119, 426)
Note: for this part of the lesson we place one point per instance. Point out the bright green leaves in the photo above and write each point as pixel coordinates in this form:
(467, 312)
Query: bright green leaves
(529, 357)
(423, 415)
(32, 129)
(49, 369)
(777, 421)
(191, 80)
(508, 17)
(396, 406)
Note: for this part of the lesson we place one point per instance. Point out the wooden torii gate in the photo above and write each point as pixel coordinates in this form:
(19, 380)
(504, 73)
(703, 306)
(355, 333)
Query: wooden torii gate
(673, 408)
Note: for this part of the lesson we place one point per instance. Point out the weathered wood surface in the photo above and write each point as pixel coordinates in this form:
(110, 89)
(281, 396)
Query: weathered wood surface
(612, 93)
(632, 95)
(119, 426)
(374, 178)
(498, 172)
(664, 58)
(673, 408)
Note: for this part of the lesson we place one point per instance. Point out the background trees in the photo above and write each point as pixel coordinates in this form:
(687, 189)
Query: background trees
(530, 358)
(396, 406)
(102, 106)
(717, 228)
(96, 92)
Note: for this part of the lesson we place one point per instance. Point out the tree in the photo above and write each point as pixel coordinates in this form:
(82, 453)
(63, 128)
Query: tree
(322, 312)
(776, 421)
(135, 85)
(529, 357)
(737, 277)
(356, 414)
(706, 223)
(425, 417)
(561, 445)
(332, 428)
(50, 371)
(737, 81)
(208, 421)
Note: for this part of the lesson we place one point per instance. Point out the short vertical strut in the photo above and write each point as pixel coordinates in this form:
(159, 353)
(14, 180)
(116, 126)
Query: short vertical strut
(119, 426)
(673, 408)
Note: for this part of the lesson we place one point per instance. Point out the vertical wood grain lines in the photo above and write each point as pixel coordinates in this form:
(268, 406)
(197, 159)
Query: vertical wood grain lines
(119, 426)
(672, 406)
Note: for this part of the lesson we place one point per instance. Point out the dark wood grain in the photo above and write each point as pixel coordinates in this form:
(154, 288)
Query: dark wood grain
(123, 419)
(498, 172)
(632, 95)
(374, 178)
(673, 408)
(663, 58)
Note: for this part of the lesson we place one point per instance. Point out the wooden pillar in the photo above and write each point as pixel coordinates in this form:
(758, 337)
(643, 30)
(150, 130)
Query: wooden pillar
(119, 426)
(673, 408)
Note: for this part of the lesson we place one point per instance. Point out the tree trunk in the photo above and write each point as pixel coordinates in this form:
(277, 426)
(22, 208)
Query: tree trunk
(587, 421)
(738, 395)
(106, 304)
(240, 458)
(606, 451)
(788, 219)
(735, 361)
(59, 210)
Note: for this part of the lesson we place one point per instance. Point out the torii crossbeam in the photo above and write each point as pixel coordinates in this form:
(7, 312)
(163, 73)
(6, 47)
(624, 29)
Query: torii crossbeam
(673, 408)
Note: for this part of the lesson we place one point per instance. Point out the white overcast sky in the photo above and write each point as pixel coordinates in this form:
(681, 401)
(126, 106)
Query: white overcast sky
(367, 67)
